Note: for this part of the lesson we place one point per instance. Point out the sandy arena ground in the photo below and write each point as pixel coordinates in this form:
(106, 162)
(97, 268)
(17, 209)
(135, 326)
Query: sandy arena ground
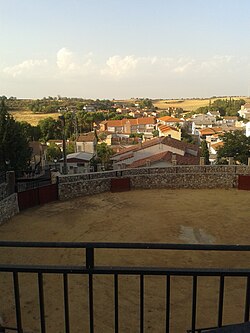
(170, 216)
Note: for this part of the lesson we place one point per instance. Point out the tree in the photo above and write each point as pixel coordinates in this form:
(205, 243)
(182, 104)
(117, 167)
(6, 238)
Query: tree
(104, 152)
(33, 133)
(146, 104)
(53, 152)
(205, 152)
(155, 133)
(14, 146)
(236, 145)
(50, 129)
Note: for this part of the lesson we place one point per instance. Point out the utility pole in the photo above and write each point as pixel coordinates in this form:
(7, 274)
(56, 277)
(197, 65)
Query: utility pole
(65, 168)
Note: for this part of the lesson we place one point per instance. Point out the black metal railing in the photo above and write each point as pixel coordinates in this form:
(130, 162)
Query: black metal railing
(91, 270)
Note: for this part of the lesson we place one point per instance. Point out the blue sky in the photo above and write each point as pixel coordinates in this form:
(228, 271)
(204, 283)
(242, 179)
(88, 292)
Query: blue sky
(124, 49)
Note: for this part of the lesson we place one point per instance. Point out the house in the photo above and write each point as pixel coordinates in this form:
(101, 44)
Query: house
(170, 131)
(213, 113)
(139, 125)
(87, 142)
(38, 156)
(122, 139)
(79, 162)
(207, 132)
(170, 121)
(213, 147)
(230, 120)
(202, 121)
(163, 151)
(244, 112)
(89, 108)
(248, 129)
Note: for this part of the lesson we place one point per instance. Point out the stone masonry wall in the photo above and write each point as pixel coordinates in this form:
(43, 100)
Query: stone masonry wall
(197, 176)
(3, 191)
(83, 187)
(8, 207)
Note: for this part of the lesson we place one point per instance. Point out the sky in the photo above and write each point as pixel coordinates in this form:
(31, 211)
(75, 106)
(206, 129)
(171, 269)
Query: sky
(124, 49)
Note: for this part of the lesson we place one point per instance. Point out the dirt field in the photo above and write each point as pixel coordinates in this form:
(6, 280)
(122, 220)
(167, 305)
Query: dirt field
(170, 216)
(189, 104)
(32, 118)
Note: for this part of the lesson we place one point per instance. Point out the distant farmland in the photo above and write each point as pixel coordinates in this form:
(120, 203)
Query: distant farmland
(185, 104)
(189, 104)
(32, 118)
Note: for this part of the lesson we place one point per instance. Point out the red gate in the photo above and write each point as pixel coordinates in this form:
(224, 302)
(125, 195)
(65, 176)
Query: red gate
(120, 184)
(244, 182)
(37, 196)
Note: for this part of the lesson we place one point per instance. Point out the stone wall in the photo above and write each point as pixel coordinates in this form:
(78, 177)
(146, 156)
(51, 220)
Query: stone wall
(183, 180)
(8, 207)
(3, 191)
(198, 176)
(73, 189)
(8, 199)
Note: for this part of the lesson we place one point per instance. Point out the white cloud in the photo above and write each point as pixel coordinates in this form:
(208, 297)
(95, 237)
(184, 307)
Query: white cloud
(71, 64)
(65, 60)
(118, 67)
(26, 67)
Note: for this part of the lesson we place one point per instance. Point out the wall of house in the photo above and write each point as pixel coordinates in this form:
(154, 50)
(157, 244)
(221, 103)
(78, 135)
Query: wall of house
(197, 176)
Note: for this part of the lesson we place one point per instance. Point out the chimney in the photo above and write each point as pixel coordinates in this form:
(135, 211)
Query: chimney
(174, 160)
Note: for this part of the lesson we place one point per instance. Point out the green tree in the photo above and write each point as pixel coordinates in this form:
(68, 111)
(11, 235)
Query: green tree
(33, 133)
(14, 146)
(50, 129)
(205, 152)
(155, 133)
(146, 104)
(53, 152)
(104, 153)
(236, 145)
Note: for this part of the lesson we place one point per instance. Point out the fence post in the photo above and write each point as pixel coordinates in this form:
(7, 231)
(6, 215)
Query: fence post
(10, 179)
(89, 258)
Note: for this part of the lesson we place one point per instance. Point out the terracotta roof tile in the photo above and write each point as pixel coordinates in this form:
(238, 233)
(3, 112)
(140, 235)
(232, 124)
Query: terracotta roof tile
(181, 145)
(88, 137)
(166, 128)
(169, 119)
(187, 159)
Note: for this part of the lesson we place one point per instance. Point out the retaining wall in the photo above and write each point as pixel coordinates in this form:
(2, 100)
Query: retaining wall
(71, 186)
(3, 191)
(8, 207)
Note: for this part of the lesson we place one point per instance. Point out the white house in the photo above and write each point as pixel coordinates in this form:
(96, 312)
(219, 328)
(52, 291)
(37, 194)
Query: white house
(77, 162)
(86, 143)
(248, 129)
(244, 112)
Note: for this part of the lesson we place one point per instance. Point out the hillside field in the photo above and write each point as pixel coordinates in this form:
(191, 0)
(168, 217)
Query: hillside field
(32, 118)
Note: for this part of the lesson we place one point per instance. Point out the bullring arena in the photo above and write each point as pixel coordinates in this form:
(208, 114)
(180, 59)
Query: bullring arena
(183, 216)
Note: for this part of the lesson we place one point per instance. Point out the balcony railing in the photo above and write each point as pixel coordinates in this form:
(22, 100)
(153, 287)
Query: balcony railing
(90, 269)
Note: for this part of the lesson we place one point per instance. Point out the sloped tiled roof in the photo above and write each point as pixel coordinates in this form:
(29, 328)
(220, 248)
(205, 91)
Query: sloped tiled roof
(166, 128)
(88, 137)
(134, 121)
(217, 145)
(187, 159)
(169, 119)
(210, 130)
(181, 145)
